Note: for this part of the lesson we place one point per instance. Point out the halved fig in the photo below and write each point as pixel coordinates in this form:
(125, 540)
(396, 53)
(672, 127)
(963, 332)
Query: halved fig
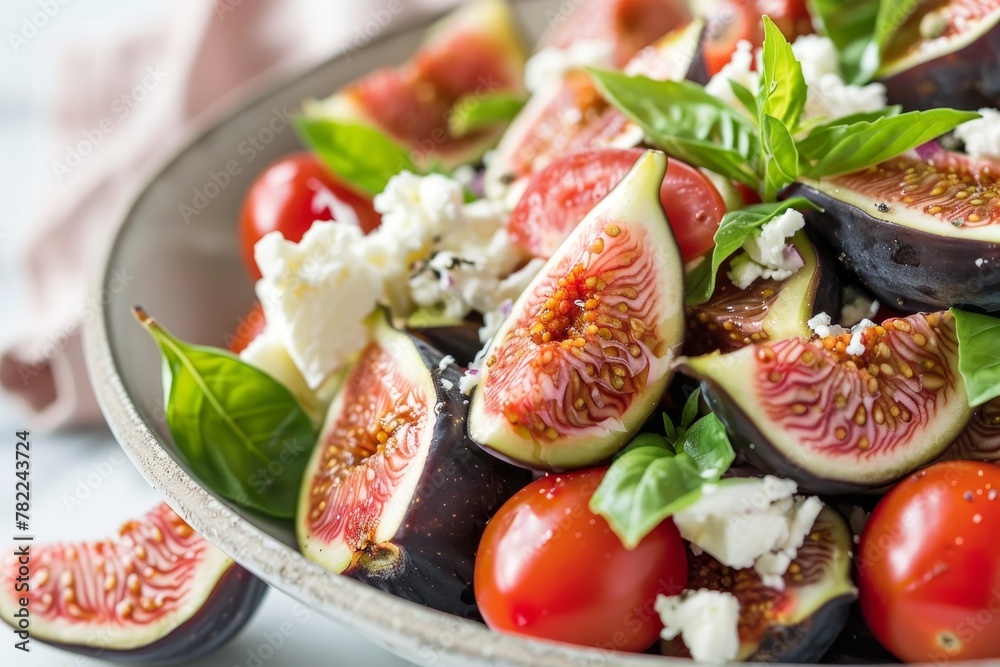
(767, 310)
(919, 233)
(627, 24)
(835, 421)
(474, 50)
(395, 494)
(946, 54)
(980, 440)
(157, 593)
(573, 117)
(561, 195)
(586, 352)
(799, 623)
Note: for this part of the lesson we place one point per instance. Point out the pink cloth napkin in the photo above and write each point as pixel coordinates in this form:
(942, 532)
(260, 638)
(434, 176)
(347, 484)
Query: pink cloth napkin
(201, 58)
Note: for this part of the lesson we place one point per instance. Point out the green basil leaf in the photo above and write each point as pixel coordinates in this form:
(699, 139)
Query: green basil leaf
(849, 25)
(779, 155)
(838, 149)
(241, 431)
(476, 112)
(861, 116)
(669, 428)
(746, 98)
(686, 122)
(707, 443)
(650, 481)
(782, 91)
(642, 488)
(735, 228)
(361, 155)
(690, 410)
(978, 355)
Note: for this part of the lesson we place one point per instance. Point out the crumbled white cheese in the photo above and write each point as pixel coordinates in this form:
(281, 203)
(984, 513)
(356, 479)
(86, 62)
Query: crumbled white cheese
(857, 347)
(548, 66)
(268, 353)
(742, 521)
(821, 325)
(446, 384)
(435, 250)
(766, 253)
(707, 622)
(740, 69)
(982, 135)
(980, 262)
(316, 295)
(446, 360)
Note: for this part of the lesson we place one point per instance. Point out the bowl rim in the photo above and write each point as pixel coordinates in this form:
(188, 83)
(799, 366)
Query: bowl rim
(350, 603)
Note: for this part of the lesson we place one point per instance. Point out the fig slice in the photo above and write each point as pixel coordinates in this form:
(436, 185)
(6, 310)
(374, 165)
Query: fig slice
(395, 494)
(799, 623)
(919, 233)
(946, 54)
(767, 310)
(586, 352)
(157, 593)
(835, 422)
(474, 51)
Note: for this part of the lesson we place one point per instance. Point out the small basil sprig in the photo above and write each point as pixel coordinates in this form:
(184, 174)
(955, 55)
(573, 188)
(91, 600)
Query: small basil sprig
(771, 149)
(240, 430)
(656, 476)
(361, 155)
(978, 355)
(736, 227)
(476, 112)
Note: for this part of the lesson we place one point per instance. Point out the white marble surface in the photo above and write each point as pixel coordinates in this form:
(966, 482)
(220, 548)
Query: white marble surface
(82, 485)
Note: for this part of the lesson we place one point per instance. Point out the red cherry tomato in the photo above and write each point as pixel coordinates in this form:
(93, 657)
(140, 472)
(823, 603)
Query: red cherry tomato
(559, 196)
(289, 196)
(249, 327)
(735, 20)
(929, 566)
(548, 567)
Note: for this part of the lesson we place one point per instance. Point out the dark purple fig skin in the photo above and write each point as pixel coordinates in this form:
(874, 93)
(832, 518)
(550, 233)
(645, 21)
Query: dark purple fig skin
(904, 267)
(432, 555)
(751, 444)
(231, 605)
(461, 340)
(965, 79)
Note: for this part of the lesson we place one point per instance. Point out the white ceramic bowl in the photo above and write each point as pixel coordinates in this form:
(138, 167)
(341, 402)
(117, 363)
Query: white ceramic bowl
(189, 274)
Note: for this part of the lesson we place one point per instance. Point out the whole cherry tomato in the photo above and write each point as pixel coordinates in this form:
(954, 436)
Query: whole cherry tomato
(548, 567)
(290, 195)
(929, 565)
